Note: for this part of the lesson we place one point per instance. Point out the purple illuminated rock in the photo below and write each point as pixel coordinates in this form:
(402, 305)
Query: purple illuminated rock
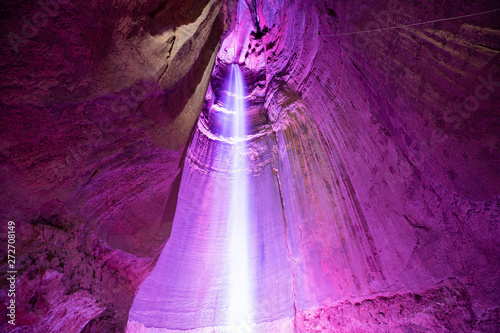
(445, 308)
(380, 150)
(366, 143)
(97, 105)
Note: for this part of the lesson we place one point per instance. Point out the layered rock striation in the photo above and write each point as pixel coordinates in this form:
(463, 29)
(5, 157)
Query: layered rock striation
(97, 103)
(373, 148)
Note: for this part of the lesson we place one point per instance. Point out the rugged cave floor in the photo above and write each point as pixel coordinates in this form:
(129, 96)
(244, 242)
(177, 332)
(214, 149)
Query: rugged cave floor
(385, 145)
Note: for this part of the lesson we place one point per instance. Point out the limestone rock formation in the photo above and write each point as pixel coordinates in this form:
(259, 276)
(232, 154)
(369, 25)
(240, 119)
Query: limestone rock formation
(98, 99)
(374, 142)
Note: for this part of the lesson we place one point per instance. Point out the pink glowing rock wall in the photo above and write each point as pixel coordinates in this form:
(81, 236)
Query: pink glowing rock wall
(369, 191)
(190, 284)
(385, 147)
(95, 112)
(388, 168)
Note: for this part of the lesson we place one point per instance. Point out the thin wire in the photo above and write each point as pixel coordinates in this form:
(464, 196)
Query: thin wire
(413, 24)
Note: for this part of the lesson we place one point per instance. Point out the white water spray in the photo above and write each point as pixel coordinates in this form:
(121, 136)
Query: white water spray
(240, 274)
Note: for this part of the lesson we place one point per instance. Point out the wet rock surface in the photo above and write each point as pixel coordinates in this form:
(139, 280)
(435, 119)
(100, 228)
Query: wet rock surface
(395, 169)
(382, 148)
(95, 114)
(443, 309)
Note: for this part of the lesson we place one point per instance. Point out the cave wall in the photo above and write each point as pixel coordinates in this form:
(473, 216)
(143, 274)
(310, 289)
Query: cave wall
(97, 102)
(385, 151)
(387, 148)
(380, 169)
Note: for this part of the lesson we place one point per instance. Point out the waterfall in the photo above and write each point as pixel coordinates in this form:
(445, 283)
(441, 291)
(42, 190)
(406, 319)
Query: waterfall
(240, 275)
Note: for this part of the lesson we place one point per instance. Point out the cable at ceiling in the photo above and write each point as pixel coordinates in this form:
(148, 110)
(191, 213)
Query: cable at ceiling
(413, 24)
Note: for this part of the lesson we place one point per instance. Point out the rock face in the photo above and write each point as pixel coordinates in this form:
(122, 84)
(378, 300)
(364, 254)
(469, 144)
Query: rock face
(97, 101)
(373, 157)
(381, 143)
(442, 309)
(363, 155)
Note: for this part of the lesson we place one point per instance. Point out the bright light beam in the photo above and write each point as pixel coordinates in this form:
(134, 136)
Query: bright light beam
(240, 298)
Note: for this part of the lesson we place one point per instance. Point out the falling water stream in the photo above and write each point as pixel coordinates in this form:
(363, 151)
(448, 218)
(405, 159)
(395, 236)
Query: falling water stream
(240, 298)
(225, 267)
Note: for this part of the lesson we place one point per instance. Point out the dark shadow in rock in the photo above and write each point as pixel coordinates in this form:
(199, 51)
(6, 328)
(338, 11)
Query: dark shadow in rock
(174, 13)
